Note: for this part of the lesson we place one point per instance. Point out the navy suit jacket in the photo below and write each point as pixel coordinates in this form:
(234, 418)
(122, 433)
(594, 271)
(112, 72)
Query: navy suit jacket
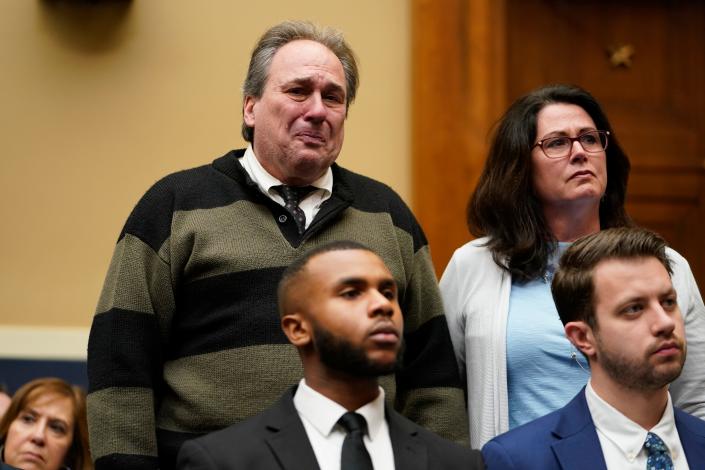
(276, 439)
(567, 440)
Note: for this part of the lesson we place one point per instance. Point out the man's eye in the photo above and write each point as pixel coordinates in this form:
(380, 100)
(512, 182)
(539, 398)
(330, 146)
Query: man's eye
(389, 294)
(632, 309)
(296, 92)
(669, 303)
(350, 293)
(334, 98)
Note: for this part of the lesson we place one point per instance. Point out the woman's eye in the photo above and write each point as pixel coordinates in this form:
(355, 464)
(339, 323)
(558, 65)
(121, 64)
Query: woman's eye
(58, 428)
(589, 139)
(556, 143)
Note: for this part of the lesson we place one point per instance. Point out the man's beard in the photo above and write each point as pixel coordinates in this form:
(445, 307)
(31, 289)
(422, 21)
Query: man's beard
(341, 355)
(640, 374)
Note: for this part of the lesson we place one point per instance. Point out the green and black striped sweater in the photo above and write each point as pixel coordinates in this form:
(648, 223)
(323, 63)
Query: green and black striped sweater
(186, 336)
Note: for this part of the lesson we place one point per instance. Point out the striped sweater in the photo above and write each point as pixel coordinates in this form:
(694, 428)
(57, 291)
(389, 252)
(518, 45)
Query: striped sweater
(186, 337)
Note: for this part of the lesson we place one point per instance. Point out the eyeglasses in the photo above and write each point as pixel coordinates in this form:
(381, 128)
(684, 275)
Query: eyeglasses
(559, 147)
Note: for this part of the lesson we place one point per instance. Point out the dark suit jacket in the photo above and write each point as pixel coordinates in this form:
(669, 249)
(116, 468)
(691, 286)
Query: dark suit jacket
(276, 439)
(567, 439)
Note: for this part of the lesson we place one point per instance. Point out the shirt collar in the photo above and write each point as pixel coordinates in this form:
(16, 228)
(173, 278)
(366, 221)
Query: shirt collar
(627, 435)
(323, 413)
(265, 181)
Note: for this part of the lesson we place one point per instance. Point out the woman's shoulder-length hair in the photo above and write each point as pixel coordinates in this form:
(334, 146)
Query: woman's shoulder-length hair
(78, 456)
(504, 206)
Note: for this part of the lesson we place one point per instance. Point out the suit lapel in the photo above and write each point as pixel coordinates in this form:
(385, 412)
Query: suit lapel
(578, 447)
(409, 450)
(286, 436)
(692, 437)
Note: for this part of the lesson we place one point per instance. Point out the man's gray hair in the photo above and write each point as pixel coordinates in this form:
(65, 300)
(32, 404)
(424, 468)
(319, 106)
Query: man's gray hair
(282, 34)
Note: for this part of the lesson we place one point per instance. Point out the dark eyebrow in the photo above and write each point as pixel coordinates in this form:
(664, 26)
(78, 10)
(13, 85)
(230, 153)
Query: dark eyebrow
(669, 292)
(358, 281)
(561, 133)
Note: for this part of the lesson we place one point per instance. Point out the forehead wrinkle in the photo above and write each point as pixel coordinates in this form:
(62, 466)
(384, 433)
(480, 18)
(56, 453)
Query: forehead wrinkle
(312, 79)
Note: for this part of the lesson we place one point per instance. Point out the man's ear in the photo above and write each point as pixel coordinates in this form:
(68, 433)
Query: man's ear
(296, 329)
(248, 110)
(581, 335)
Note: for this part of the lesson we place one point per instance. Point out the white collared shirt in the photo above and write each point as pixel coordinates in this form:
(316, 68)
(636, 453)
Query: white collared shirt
(622, 440)
(266, 183)
(320, 416)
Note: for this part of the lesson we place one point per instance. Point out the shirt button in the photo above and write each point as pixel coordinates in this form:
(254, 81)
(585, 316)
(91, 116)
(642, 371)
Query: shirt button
(282, 219)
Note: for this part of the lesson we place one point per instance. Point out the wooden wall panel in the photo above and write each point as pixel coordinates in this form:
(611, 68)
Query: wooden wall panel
(472, 58)
(458, 89)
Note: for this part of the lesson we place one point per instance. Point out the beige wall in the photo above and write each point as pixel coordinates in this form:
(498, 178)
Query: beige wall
(99, 101)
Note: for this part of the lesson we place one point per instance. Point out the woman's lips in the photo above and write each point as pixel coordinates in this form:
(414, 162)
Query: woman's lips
(582, 174)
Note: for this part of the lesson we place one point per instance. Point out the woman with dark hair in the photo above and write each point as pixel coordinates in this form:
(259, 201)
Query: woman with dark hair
(555, 172)
(45, 428)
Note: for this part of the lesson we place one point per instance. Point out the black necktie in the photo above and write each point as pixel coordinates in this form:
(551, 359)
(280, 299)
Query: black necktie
(292, 195)
(355, 455)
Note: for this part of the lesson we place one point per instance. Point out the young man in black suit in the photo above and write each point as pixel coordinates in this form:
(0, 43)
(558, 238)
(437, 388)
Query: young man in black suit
(339, 308)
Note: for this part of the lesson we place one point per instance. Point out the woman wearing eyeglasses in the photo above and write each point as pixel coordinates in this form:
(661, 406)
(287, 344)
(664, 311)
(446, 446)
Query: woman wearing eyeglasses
(555, 172)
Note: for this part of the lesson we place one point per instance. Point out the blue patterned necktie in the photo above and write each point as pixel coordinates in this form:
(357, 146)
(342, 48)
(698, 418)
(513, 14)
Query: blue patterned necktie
(354, 455)
(657, 453)
(292, 195)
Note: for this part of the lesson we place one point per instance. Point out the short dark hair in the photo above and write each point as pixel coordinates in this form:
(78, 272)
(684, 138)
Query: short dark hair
(504, 206)
(573, 286)
(283, 33)
(294, 270)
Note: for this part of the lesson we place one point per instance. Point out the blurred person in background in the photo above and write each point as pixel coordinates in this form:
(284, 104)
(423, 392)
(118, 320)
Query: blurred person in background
(5, 399)
(45, 427)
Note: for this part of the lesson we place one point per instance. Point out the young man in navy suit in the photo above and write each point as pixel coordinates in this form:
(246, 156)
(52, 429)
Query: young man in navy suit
(339, 307)
(614, 295)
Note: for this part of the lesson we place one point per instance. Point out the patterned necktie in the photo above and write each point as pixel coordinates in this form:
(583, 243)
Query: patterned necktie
(657, 452)
(292, 195)
(354, 455)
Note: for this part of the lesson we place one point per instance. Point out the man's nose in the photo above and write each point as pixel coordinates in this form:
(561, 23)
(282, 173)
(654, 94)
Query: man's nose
(664, 320)
(381, 304)
(316, 109)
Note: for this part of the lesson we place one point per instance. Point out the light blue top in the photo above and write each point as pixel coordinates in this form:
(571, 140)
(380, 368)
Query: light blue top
(541, 375)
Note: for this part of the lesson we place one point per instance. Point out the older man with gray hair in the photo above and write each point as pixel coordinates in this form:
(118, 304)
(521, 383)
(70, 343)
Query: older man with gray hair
(186, 337)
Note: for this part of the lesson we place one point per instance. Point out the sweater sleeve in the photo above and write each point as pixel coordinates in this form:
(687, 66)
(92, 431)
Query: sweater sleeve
(429, 389)
(688, 390)
(126, 341)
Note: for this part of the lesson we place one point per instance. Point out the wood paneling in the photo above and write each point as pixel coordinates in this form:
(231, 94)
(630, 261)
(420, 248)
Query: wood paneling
(457, 94)
(656, 104)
